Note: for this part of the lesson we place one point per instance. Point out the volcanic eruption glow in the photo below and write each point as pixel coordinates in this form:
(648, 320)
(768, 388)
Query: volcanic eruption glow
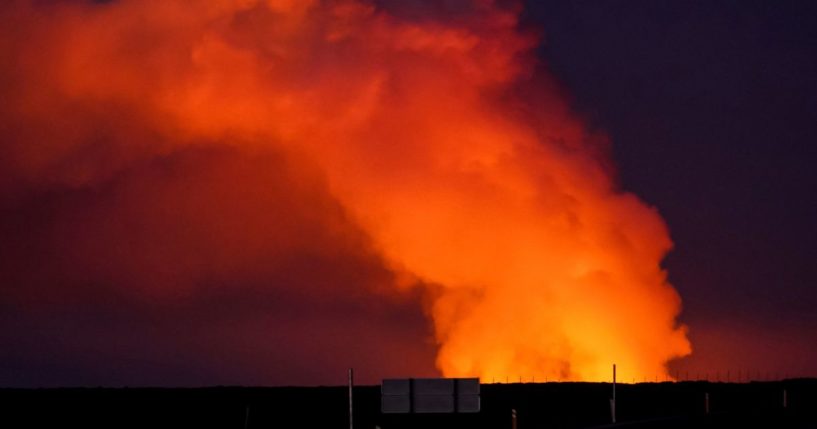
(443, 139)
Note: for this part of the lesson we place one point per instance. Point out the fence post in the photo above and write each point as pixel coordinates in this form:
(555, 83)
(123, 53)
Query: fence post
(706, 403)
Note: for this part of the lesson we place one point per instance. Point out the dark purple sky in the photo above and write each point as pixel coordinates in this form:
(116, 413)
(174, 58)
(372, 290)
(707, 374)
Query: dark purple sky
(712, 110)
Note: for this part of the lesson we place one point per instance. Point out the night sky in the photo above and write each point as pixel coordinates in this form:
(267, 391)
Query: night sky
(712, 110)
(134, 251)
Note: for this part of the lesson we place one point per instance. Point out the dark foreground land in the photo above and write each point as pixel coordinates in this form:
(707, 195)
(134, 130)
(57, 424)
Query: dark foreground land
(538, 405)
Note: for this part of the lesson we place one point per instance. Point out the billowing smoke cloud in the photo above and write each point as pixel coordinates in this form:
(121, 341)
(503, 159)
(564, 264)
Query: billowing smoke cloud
(338, 156)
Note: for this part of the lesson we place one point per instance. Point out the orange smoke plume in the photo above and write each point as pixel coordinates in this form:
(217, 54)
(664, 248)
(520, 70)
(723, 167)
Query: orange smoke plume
(443, 139)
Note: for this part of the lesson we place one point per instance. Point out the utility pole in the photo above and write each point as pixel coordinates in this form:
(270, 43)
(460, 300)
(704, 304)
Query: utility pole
(613, 400)
(351, 384)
